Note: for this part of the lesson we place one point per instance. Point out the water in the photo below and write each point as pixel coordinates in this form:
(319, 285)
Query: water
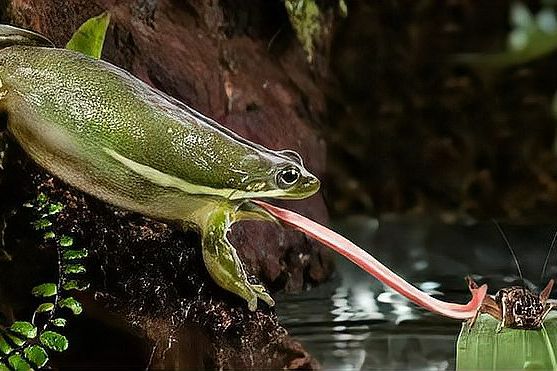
(354, 322)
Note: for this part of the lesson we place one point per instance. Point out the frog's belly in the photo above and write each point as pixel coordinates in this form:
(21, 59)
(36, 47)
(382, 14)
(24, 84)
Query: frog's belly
(93, 171)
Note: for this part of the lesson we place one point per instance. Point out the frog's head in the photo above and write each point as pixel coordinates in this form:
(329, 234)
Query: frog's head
(277, 174)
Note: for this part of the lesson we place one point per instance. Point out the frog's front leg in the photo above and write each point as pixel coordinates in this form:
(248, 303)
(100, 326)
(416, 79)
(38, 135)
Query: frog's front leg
(221, 258)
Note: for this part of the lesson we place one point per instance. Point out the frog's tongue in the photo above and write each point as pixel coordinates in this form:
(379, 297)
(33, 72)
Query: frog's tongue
(375, 268)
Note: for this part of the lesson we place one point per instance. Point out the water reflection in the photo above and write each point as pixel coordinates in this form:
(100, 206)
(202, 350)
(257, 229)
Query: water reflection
(354, 322)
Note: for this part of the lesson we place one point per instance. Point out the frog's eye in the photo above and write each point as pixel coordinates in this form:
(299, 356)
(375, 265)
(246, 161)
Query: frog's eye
(286, 178)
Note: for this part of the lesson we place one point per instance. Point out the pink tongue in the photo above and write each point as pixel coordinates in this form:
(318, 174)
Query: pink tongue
(375, 268)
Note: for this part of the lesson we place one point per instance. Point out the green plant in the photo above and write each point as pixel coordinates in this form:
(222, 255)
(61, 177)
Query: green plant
(482, 347)
(89, 37)
(26, 344)
(307, 19)
(532, 36)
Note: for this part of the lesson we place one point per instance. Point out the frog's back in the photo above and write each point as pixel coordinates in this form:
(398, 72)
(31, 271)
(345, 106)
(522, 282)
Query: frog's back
(102, 107)
(107, 133)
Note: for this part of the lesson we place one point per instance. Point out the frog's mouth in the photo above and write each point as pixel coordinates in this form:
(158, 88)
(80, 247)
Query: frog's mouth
(306, 187)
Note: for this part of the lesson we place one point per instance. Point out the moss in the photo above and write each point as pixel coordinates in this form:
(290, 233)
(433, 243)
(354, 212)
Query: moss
(305, 17)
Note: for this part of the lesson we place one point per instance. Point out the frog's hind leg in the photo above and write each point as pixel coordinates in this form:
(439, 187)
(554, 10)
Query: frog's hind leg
(222, 261)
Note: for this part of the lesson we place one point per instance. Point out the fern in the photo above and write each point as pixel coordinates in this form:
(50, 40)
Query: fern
(26, 344)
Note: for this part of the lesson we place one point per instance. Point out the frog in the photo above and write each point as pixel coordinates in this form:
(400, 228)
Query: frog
(107, 133)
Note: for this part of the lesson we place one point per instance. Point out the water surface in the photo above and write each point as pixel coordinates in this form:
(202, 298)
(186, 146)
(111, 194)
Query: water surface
(354, 322)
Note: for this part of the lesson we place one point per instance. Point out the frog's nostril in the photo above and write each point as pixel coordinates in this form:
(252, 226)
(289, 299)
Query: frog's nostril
(312, 183)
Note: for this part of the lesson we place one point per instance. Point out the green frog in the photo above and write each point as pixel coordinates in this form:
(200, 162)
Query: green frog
(107, 133)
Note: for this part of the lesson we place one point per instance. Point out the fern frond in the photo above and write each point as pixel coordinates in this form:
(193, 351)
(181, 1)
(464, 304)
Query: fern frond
(26, 344)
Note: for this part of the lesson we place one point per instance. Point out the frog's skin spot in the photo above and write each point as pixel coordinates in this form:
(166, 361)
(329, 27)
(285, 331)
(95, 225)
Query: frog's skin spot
(256, 187)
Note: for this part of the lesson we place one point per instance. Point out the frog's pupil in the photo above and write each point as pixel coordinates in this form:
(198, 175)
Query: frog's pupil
(288, 177)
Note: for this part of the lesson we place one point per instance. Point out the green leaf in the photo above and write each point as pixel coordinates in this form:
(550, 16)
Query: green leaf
(75, 285)
(42, 199)
(42, 223)
(4, 346)
(71, 304)
(343, 8)
(55, 208)
(37, 355)
(59, 322)
(45, 290)
(15, 339)
(23, 328)
(54, 341)
(75, 254)
(3, 367)
(44, 307)
(17, 362)
(89, 38)
(74, 269)
(520, 16)
(65, 241)
(306, 20)
(49, 235)
(526, 42)
(482, 347)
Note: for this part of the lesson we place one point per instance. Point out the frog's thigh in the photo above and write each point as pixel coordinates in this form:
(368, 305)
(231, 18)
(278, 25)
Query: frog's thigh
(223, 262)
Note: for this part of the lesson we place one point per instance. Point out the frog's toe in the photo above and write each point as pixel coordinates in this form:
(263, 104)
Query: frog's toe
(262, 294)
(252, 303)
(223, 263)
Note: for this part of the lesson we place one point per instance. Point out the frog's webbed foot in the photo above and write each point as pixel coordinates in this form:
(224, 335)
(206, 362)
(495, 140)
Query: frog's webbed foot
(262, 294)
(222, 261)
